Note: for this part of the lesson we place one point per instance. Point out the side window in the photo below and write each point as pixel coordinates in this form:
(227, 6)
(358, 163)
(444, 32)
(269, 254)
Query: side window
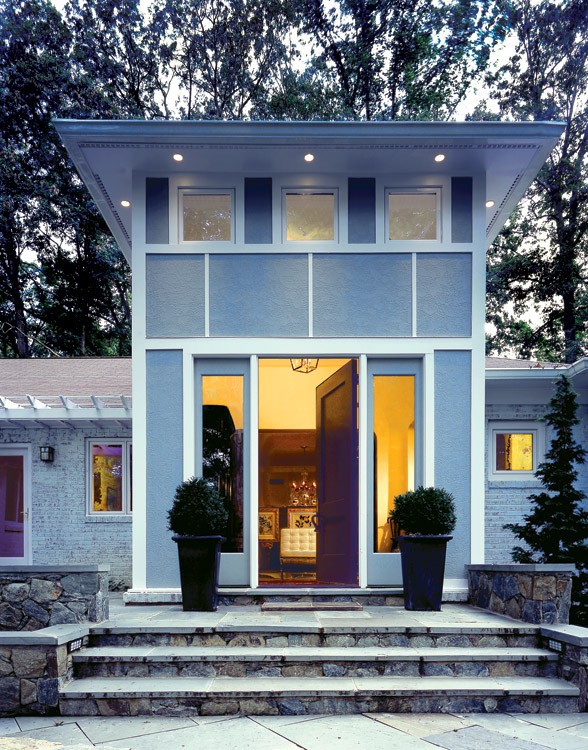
(207, 215)
(413, 215)
(110, 480)
(310, 215)
(515, 449)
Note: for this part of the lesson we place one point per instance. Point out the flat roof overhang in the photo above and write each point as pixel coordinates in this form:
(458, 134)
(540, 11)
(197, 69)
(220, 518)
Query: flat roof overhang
(106, 153)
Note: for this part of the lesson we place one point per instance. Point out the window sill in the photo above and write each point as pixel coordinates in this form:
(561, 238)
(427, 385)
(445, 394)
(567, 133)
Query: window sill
(122, 518)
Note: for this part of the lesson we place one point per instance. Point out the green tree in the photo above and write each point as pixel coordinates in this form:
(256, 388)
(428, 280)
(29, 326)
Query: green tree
(539, 261)
(556, 529)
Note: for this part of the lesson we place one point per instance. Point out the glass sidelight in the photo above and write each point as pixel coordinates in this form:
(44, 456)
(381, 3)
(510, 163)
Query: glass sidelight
(14, 505)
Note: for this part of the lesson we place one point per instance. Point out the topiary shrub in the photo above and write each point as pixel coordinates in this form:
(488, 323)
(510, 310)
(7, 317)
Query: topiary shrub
(197, 510)
(425, 511)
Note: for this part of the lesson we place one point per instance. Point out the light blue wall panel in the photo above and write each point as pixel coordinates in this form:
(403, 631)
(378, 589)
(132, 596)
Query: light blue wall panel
(362, 295)
(259, 295)
(453, 448)
(361, 211)
(258, 210)
(164, 462)
(175, 295)
(157, 210)
(444, 294)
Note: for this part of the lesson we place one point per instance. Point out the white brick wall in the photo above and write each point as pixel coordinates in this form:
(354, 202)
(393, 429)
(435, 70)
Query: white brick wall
(62, 532)
(508, 502)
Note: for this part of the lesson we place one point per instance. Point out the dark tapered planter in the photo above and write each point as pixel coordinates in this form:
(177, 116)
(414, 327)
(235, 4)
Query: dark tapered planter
(423, 568)
(199, 565)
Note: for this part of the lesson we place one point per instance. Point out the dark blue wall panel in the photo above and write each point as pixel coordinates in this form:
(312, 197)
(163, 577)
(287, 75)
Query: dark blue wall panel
(444, 294)
(258, 210)
(157, 210)
(461, 209)
(175, 295)
(453, 448)
(361, 192)
(362, 295)
(164, 462)
(258, 295)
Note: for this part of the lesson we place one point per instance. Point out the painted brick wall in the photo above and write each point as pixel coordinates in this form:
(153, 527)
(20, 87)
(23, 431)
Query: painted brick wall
(507, 502)
(62, 533)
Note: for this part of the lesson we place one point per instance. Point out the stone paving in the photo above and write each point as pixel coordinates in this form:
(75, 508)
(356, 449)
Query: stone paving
(378, 731)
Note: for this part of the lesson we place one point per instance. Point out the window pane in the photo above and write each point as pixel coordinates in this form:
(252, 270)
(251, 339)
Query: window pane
(107, 470)
(310, 216)
(514, 451)
(11, 506)
(394, 458)
(207, 217)
(130, 477)
(222, 442)
(412, 216)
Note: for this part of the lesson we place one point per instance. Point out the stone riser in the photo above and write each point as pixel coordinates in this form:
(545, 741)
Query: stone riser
(327, 669)
(315, 640)
(299, 706)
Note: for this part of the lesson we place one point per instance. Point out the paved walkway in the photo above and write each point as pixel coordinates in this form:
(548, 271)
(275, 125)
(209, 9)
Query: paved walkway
(375, 732)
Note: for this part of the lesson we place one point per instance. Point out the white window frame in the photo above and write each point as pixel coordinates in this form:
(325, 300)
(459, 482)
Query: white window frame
(334, 191)
(436, 191)
(126, 483)
(537, 429)
(205, 191)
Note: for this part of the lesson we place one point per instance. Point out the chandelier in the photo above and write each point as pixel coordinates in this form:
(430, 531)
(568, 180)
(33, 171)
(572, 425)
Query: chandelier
(304, 364)
(303, 492)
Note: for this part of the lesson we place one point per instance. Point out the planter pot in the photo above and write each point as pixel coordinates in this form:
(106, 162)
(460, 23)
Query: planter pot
(199, 558)
(423, 567)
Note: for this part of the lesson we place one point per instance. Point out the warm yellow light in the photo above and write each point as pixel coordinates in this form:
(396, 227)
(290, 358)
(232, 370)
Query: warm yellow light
(125, 204)
(309, 157)
(178, 157)
(440, 157)
(489, 204)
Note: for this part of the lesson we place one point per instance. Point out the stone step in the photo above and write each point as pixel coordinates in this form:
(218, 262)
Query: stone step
(194, 661)
(324, 695)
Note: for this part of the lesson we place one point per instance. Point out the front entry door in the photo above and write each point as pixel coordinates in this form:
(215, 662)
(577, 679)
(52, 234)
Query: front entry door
(15, 542)
(337, 478)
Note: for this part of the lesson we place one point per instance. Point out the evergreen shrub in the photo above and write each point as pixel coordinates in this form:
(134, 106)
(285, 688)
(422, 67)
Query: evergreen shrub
(198, 510)
(425, 511)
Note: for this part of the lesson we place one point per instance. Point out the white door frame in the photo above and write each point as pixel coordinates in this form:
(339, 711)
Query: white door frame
(24, 450)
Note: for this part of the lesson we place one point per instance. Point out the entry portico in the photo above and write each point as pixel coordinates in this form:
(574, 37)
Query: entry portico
(248, 258)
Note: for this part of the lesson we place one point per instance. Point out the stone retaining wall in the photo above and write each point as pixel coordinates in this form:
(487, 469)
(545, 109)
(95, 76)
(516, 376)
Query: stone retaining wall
(33, 666)
(532, 593)
(571, 642)
(35, 596)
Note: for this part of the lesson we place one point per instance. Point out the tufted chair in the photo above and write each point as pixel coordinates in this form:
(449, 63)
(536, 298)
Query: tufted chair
(297, 548)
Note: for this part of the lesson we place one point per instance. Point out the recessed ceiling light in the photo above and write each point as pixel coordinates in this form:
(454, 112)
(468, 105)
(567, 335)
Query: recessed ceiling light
(489, 204)
(178, 157)
(125, 204)
(309, 157)
(440, 157)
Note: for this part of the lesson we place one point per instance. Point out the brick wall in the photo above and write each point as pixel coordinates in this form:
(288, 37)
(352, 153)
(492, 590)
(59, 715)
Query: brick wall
(62, 532)
(507, 502)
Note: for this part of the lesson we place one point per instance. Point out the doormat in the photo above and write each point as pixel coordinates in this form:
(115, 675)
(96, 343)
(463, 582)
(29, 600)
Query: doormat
(311, 607)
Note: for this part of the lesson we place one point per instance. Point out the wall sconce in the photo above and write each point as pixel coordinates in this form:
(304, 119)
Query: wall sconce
(304, 364)
(46, 453)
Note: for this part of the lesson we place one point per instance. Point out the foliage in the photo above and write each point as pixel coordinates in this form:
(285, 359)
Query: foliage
(539, 261)
(426, 510)
(556, 529)
(197, 510)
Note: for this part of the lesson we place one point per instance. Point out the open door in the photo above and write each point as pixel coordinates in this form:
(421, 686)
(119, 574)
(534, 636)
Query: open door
(337, 475)
(15, 542)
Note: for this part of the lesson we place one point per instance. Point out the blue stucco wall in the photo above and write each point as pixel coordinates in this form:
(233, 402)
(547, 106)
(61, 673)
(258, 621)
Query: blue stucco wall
(175, 295)
(258, 295)
(164, 462)
(444, 294)
(362, 295)
(453, 448)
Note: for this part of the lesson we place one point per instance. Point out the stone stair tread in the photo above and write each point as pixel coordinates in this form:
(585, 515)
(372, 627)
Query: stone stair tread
(311, 607)
(216, 687)
(106, 654)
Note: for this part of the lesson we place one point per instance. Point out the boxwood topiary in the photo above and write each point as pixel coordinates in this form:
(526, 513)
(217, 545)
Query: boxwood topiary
(425, 511)
(197, 510)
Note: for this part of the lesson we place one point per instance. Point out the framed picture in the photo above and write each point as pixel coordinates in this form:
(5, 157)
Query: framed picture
(268, 524)
(299, 518)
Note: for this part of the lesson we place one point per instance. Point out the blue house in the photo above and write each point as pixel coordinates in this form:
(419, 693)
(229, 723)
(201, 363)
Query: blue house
(308, 332)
